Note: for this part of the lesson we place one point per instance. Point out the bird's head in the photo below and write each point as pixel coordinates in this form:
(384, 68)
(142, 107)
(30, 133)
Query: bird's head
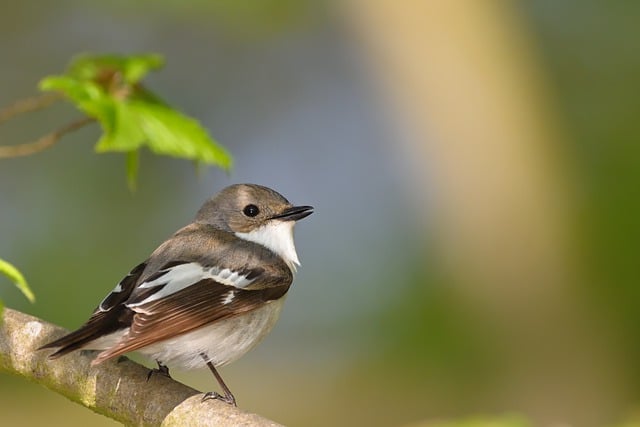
(258, 214)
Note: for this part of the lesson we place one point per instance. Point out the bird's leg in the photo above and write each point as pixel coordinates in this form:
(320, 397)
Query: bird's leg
(228, 396)
(161, 369)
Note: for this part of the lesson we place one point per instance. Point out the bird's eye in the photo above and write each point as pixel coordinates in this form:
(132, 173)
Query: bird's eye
(251, 210)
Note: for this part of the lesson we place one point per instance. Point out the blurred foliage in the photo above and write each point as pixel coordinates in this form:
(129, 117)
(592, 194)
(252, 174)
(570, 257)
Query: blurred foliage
(589, 55)
(455, 350)
(17, 278)
(592, 58)
(243, 20)
(108, 89)
(481, 421)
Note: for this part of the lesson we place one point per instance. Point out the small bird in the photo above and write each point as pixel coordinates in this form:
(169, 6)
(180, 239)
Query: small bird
(208, 294)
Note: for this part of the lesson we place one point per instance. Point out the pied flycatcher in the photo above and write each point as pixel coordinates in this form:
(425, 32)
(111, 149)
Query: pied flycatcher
(208, 294)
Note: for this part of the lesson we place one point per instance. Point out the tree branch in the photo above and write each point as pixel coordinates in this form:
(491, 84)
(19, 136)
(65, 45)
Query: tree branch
(28, 105)
(44, 142)
(116, 389)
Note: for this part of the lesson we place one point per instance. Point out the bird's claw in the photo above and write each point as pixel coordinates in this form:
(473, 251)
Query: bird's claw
(229, 399)
(161, 369)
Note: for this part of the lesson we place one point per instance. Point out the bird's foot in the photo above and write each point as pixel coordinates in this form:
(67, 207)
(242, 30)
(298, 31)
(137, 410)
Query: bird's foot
(228, 396)
(161, 369)
(229, 399)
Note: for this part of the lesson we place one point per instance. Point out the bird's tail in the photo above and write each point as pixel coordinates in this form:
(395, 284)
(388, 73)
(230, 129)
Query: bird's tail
(78, 339)
(70, 342)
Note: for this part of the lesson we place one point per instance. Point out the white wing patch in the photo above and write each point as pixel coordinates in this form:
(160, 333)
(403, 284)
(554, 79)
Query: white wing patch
(183, 275)
(229, 298)
(228, 277)
(115, 290)
(125, 285)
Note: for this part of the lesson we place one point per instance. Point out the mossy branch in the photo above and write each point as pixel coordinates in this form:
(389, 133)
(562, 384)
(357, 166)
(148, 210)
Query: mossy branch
(116, 389)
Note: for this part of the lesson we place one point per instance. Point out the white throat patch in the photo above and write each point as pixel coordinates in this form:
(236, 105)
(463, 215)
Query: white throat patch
(277, 236)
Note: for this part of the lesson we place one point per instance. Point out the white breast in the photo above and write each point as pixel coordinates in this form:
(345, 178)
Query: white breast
(223, 341)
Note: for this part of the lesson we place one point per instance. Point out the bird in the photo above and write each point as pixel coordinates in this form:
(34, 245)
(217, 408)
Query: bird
(207, 295)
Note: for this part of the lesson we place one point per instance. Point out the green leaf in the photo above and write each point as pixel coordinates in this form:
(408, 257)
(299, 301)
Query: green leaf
(17, 278)
(107, 88)
(77, 90)
(131, 68)
(163, 130)
(121, 130)
(172, 133)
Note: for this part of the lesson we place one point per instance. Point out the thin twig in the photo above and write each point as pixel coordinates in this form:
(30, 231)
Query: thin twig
(45, 142)
(27, 105)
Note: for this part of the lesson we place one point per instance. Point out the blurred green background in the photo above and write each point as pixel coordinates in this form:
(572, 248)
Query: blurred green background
(474, 168)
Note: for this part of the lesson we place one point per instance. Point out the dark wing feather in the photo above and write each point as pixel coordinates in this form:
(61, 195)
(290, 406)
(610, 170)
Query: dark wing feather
(108, 317)
(188, 309)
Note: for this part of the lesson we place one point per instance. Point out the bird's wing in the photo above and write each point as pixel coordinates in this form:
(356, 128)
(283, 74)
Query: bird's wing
(187, 298)
(106, 318)
(188, 281)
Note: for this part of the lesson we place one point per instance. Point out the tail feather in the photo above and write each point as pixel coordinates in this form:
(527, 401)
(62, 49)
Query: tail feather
(110, 316)
(99, 326)
(73, 341)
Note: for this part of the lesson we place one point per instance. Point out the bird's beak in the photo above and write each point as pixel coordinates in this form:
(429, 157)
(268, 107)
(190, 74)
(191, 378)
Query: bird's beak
(294, 213)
